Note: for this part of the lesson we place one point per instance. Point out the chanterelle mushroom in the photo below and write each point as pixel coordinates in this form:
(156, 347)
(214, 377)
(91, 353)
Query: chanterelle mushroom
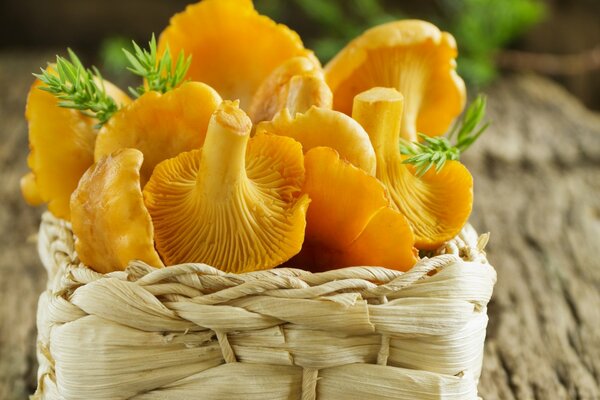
(61, 143)
(109, 219)
(349, 221)
(235, 204)
(296, 85)
(233, 48)
(414, 57)
(160, 125)
(322, 127)
(437, 204)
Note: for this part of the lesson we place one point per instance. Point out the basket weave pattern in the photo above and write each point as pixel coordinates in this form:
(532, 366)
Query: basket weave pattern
(192, 331)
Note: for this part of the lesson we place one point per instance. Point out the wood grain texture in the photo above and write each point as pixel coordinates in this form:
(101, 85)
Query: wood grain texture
(537, 180)
(537, 174)
(21, 274)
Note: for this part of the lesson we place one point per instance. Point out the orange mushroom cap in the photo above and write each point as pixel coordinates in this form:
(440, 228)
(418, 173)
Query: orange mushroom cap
(349, 221)
(297, 84)
(61, 144)
(30, 190)
(438, 204)
(160, 125)
(109, 219)
(322, 127)
(235, 204)
(414, 57)
(233, 47)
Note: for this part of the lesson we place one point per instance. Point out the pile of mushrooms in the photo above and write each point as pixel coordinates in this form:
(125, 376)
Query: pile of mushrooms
(263, 157)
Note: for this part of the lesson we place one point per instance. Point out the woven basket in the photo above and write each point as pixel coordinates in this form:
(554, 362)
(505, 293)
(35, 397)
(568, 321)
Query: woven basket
(193, 332)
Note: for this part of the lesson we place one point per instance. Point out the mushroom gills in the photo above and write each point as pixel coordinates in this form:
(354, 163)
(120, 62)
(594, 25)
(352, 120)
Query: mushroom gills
(412, 56)
(437, 204)
(234, 204)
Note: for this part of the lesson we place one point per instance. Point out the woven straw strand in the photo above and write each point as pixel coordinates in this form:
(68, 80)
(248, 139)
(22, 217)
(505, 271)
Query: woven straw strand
(228, 353)
(384, 351)
(192, 330)
(309, 383)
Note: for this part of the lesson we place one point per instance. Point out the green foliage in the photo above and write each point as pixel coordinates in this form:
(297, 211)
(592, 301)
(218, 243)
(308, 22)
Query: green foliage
(332, 22)
(112, 56)
(79, 88)
(435, 151)
(160, 74)
(83, 89)
(481, 27)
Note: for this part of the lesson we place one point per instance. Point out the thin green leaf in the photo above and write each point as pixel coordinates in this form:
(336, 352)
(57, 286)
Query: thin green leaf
(78, 88)
(436, 151)
(160, 74)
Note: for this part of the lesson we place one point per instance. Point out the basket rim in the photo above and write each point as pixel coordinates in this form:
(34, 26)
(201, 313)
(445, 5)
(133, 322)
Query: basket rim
(57, 251)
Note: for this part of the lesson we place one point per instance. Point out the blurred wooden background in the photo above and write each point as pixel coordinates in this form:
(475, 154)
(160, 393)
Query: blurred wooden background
(537, 177)
(570, 27)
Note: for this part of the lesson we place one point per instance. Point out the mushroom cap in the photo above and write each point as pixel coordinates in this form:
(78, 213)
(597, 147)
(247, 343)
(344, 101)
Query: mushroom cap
(235, 204)
(61, 145)
(233, 47)
(414, 57)
(297, 84)
(30, 190)
(438, 204)
(109, 219)
(322, 127)
(160, 125)
(349, 221)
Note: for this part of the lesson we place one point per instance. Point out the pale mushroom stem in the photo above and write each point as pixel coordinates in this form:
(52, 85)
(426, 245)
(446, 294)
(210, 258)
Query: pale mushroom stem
(224, 152)
(379, 111)
(306, 91)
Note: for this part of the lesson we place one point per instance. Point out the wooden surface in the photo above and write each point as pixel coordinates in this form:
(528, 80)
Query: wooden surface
(537, 174)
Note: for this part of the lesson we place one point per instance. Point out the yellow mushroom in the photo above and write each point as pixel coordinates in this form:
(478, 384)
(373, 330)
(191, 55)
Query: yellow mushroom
(438, 204)
(61, 144)
(109, 219)
(414, 57)
(349, 221)
(30, 190)
(321, 127)
(160, 125)
(235, 204)
(233, 48)
(297, 84)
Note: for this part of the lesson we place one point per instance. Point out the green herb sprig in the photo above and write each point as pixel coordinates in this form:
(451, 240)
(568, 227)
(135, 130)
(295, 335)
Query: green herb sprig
(435, 151)
(160, 74)
(79, 88)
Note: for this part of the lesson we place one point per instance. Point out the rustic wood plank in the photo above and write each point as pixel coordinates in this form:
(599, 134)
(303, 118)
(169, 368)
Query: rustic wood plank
(537, 175)
(537, 190)
(22, 277)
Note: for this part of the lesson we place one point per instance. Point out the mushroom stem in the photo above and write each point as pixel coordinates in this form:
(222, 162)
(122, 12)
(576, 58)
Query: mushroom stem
(306, 91)
(224, 152)
(379, 111)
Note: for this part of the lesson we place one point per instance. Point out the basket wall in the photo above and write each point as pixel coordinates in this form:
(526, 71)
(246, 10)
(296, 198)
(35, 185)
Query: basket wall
(191, 331)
